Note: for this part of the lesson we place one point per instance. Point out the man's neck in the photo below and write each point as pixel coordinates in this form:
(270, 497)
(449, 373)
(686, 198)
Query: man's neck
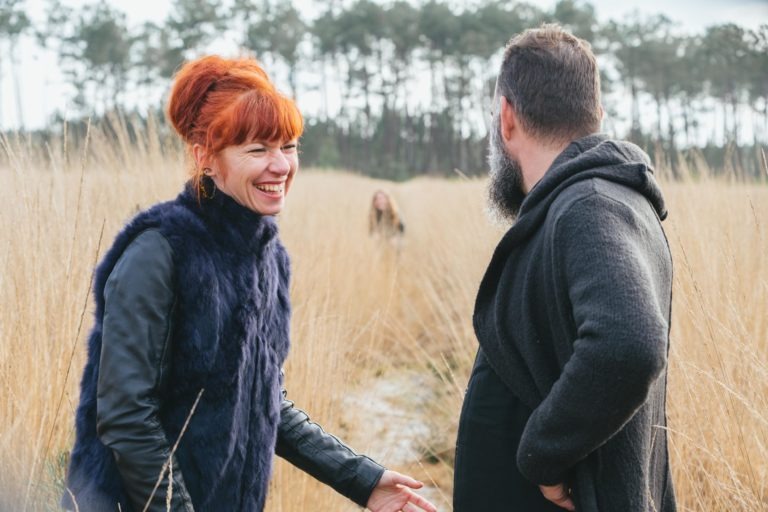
(535, 160)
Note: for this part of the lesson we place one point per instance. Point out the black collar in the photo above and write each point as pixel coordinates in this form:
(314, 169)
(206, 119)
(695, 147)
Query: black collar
(228, 221)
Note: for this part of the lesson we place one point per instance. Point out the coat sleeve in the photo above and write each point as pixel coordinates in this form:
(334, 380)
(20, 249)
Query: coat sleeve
(611, 265)
(308, 447)
(139, 300)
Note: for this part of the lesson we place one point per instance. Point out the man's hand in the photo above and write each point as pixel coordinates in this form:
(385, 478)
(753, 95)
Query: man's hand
(393, 493)
(559, 495)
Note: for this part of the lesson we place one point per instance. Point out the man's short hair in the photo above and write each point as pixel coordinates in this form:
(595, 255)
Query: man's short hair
(551, 80)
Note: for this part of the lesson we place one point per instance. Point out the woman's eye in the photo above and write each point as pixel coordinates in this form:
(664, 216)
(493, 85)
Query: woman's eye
(289, 147)
(258, 150)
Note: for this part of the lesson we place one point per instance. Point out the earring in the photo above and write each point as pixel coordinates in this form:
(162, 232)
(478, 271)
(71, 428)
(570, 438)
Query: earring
(207, 186)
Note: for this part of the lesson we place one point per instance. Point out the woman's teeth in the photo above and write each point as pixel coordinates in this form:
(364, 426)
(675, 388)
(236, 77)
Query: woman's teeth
(270, 188)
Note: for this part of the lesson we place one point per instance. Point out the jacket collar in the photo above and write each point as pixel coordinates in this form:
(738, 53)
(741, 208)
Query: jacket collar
(228, 221)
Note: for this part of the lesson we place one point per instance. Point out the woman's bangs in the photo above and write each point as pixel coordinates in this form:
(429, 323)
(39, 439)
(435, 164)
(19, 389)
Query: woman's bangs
(264, 116)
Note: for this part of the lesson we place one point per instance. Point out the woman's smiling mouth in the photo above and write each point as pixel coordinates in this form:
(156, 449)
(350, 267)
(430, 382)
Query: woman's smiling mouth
(271, 189)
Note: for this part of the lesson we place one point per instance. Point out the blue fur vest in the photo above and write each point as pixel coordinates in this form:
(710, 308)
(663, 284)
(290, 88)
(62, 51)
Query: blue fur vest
(230, 338)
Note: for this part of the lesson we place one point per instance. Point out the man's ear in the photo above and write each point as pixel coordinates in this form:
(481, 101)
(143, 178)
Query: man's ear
(508, 119)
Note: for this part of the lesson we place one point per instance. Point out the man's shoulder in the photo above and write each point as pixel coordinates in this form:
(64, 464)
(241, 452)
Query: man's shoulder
(595, 194)
(572, 195)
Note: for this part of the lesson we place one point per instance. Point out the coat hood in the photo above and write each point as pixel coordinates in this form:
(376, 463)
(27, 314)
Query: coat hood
(597, 156)
(593, 156)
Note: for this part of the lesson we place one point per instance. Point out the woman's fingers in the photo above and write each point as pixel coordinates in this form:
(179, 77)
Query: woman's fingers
(418, 504)
(406, 481)
(410, 507)
(397, 485)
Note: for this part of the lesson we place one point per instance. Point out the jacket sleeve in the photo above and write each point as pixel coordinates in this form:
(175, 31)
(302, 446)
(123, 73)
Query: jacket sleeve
(139, 300)
(308, 447)
(612, 272)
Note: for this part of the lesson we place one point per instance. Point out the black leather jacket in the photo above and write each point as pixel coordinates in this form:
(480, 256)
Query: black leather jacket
(133, 369)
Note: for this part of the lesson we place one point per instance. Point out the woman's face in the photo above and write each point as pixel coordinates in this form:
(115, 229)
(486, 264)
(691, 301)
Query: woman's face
(380, 201)
(257, 175)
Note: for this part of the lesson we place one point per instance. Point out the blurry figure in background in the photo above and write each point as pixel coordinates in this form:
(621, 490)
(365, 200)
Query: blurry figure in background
(384, 220)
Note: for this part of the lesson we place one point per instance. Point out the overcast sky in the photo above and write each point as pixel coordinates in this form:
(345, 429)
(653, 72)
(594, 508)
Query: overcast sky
(43, 89)
(692, 14)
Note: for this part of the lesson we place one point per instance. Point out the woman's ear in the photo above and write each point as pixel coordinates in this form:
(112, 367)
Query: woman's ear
(200, 156)
(204, 163)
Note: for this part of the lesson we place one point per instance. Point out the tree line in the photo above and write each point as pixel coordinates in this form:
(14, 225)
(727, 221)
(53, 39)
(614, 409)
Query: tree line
(404, 88)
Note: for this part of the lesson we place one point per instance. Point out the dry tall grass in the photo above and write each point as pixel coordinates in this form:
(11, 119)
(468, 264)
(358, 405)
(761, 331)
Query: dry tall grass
(382, 342)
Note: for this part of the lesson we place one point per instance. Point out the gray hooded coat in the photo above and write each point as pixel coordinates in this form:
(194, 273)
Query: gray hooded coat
(573, 314)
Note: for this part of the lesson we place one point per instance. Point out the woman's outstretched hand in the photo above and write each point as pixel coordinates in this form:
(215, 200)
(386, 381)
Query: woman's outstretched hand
(393, 493)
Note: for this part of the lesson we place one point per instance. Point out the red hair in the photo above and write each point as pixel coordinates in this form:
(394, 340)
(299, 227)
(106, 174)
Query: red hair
(217, 102)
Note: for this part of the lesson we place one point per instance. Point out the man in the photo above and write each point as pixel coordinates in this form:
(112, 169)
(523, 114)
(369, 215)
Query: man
(565, 407)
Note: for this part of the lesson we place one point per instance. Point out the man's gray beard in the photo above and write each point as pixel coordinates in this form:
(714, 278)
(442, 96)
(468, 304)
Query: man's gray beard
(505, 189)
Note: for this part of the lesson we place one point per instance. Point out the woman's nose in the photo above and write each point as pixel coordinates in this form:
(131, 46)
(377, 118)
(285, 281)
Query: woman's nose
(279, 163)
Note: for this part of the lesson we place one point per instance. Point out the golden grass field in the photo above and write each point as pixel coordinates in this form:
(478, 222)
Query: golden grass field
(382, 342)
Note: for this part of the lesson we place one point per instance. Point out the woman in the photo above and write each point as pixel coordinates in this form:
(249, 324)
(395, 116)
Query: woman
(384, 218)
(181, 401)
